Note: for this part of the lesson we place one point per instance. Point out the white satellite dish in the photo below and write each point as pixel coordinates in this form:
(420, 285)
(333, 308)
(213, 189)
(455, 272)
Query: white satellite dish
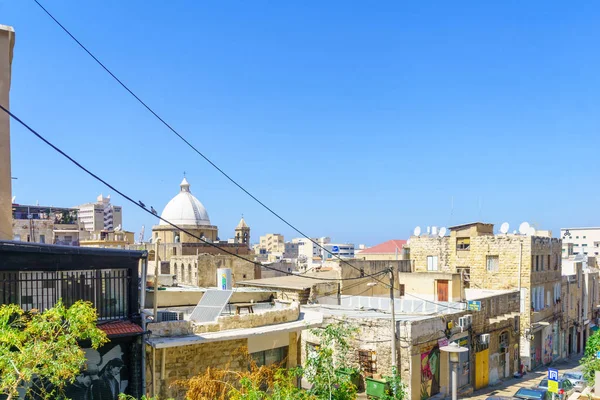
(531, 231)
(434, 230)
(417, 231)
(504, 228)
(442, 232)
(514, 232)
(14, 199)
(428, 230)
(524, 228)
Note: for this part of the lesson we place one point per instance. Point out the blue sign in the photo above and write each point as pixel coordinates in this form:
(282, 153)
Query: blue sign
(598, 354)
(474, 305)
(553, 374)
(335, 249)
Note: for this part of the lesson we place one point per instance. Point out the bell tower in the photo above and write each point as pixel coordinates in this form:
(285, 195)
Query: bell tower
(242, 232)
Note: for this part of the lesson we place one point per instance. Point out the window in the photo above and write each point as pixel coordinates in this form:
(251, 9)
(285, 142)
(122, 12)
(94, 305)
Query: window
(548, 299)
(541, 263)
(584, 237)
(42, 238)
(584, 245)
(576, 237)
(493, 263)
(401, 290)
(432, 263)
(463, 243)
(368, 362)
(556, 262)
(270, 357)
(503, 342)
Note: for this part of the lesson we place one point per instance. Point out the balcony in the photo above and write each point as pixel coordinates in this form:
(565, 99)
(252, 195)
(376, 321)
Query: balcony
(107, 289)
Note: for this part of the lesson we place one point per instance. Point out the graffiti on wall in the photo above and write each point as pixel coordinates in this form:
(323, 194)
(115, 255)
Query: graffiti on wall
(548, 349)
(103, 377)
(430, 373)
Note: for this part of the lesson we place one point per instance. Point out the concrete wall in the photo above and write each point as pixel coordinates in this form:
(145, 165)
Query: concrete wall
(179, 298)
(7, 42)
(358, 268)
(424, 285)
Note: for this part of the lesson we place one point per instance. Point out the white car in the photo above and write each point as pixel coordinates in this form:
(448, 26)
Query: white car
(577, 379)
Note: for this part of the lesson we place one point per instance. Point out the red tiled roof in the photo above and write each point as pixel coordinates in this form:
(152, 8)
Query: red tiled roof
(121, 328)
(386, 247)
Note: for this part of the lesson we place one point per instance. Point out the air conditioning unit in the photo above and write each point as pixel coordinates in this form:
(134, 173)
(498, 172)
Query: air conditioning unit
(485, 338)
(465, 322)
(163, 316)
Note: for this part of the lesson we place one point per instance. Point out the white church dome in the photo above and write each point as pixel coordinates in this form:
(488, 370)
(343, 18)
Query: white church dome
(185, 209)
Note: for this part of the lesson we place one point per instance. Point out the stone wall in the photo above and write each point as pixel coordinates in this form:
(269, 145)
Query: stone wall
(201, 270)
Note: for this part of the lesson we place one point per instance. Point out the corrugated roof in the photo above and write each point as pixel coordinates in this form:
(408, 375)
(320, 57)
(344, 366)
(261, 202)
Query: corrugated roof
(386, 247)
(121, 328)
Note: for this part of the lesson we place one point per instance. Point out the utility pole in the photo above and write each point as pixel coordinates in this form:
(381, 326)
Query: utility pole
(394, 358)
(156, 269)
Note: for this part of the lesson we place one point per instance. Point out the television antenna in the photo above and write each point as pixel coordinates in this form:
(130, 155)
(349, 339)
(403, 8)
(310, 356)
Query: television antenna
(524, 228)
(417, 231)
(442, 232)
(504, 228)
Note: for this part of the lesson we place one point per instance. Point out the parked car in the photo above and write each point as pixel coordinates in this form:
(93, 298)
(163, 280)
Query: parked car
(577, 379)
(532, 394)
(565, 387)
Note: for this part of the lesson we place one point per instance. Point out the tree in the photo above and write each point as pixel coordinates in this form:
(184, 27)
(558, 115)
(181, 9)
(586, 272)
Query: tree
(590, 363)
(43, 347)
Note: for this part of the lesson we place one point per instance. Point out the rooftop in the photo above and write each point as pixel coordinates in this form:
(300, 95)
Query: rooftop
(295, 282)
(461, 226)
(391, 246)
(474, 294)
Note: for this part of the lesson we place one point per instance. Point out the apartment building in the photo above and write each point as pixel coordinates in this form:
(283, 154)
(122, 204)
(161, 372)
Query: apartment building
(101, 215)
(488, 260)
(585, 241)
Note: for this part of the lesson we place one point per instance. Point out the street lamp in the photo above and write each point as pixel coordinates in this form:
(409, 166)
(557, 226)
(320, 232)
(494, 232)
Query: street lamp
(453, 350)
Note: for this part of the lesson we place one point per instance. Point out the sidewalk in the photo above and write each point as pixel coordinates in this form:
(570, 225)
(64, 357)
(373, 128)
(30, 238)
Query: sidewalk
(508, 387)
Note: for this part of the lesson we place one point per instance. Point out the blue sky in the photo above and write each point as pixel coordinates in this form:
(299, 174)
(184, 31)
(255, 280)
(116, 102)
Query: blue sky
(355, 120)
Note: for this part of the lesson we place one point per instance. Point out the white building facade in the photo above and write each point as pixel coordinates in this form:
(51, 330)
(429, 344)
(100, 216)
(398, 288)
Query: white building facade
(101, 215)
(585, 241)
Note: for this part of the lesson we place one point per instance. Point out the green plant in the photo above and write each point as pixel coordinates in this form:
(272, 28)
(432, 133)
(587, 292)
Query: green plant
(590, 363)
(323, 362)
(43, 347)
(397, 390)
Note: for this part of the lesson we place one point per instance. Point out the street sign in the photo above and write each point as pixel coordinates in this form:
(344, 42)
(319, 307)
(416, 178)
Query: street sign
(335, 249)
(474, 305)
(552, 380)
(552, 374)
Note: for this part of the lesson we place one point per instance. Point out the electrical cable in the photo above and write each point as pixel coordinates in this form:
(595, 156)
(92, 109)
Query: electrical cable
(128, 198)
(187, 142)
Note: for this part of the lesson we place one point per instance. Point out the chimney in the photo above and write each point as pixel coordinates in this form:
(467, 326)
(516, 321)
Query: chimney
(7, 42)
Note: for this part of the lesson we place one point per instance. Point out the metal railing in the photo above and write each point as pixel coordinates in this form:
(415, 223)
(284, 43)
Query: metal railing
(107, 290)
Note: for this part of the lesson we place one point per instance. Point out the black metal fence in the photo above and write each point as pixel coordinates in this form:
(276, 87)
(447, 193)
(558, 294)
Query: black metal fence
(107, 290)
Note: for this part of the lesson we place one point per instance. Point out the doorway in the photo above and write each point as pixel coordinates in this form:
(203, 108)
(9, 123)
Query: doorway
(442, 290)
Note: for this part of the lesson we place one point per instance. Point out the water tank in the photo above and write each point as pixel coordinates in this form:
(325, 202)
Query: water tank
(224, 280)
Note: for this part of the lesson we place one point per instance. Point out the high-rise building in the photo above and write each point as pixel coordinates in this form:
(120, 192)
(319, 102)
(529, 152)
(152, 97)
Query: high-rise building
(101, 215)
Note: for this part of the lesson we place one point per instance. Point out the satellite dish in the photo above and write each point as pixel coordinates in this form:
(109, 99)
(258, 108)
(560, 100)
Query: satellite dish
(514, 232)
(442, 232)
(504, 228)
(434, 230)
(428, 230)
(14, 199)
(417, 231)
(524, 228)
(531, 231)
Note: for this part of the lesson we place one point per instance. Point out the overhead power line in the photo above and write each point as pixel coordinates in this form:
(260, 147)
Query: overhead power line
(187, 142)
(130, 199)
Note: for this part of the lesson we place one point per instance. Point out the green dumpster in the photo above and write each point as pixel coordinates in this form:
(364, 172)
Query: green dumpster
(353, 375)
(376, 388)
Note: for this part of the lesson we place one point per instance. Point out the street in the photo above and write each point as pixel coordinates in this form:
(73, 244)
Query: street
(510, 386)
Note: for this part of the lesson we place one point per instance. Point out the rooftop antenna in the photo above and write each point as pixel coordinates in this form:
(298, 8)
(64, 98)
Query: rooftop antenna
(442, 232)
(524, 228)
(417, 231)
(504, 228)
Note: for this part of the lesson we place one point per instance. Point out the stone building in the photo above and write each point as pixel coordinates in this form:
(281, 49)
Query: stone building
(579, 303)
(178, 350)
(201, 270)
(46, 225)
(491, 337)
(531, 264)
(7, 43)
